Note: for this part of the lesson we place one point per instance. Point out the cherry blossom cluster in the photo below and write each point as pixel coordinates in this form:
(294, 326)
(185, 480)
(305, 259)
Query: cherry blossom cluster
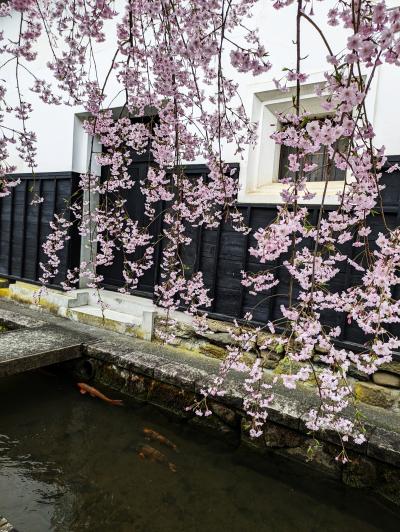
(166, 97)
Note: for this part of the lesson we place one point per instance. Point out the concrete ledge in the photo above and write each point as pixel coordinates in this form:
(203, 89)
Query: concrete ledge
(26, 349)
(122, 313)
(15, 320)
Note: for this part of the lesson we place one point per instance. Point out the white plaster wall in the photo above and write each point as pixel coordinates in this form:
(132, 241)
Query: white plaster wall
(62, 145)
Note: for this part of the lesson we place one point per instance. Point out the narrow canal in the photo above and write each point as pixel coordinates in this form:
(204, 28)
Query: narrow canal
(69, 462)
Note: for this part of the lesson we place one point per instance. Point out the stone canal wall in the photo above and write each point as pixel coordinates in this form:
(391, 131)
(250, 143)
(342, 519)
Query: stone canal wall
(380, 390)
(172, 377)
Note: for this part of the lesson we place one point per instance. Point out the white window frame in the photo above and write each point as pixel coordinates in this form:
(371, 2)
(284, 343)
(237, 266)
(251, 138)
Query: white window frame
(259, 173)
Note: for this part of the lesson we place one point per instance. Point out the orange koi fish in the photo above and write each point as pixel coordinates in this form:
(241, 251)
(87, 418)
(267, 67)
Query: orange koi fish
(145, 451)
(155, 436)
(85, 388)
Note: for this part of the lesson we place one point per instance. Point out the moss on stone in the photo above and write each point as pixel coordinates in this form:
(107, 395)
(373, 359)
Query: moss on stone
(213, 350)
(374, 395)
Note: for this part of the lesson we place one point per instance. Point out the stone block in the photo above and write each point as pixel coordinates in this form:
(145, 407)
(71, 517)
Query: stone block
(227, 415)
(384, 445)
(278, 436)
(26, 349)
(285, 411)
(392, 367)
(180, 375)
(219, 326)
(148, 317)
(219, 338)
(212, 350)
(321, 459)
(384, 378)
(172, 398)
(126, 356)
(374, 395)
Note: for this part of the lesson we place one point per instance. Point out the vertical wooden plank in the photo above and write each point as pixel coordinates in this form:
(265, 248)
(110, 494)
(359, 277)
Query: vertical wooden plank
(199, 236)
(24, 213)
(215, 266)
(73, 250)
(272, 296)
(158, 247)
(245, 258)
(38, 231)
(10, 232)
(54, 197)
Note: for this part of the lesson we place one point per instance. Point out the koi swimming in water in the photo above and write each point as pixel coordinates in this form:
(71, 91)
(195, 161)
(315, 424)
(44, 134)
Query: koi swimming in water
(93, 392)
(149, 453)
(155, 436)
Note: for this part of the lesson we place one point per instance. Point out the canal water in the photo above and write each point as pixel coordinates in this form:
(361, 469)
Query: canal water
(69, 462)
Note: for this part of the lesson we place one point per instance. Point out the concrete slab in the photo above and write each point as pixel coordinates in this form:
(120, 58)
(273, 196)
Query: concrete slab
(15, 320)
(26, 349)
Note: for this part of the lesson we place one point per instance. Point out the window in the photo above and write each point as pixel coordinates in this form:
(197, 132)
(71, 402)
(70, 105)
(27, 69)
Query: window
(326, 169)
(267, 162)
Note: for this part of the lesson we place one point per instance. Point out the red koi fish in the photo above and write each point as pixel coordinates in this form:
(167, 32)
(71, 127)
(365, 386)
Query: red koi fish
(85, 388)
(145, 451)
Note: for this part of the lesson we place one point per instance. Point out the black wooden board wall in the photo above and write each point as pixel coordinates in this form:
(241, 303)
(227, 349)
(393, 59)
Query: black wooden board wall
(24, 227)
(220, 254)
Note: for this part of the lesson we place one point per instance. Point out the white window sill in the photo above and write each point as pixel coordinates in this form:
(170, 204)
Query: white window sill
(272, 193)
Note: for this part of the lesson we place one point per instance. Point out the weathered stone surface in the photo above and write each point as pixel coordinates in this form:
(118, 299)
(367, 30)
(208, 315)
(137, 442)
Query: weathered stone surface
(322, 457)
(220, 326)
(383, 378)
(26, 349)
(227, 415)
(359, 473)
(172, 398)
(212, 350)
(279, 436)
(271, 359)
(357, 374)
(389, 486)
(184, 331)
(126, 357)
(137, 386)
(16, 320)
(182, 376)
(5, 526)
(125, 381)
(285, 411)
(392, 367)
(385, 445)
(218, 427)
(375, 395)
(220, 338)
